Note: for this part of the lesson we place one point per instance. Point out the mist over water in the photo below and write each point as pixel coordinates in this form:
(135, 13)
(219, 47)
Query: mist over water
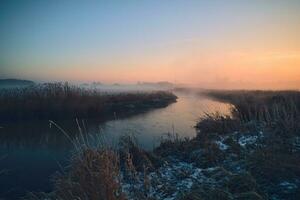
(125, 88)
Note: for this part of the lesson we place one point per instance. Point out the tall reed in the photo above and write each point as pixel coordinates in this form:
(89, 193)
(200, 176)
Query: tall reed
(61, 100)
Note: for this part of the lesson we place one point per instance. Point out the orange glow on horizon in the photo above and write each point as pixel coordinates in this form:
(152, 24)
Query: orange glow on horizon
(270, 70)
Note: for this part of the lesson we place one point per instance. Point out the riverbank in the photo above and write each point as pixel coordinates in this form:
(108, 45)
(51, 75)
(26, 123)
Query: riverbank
(253, 153)
(63, 101)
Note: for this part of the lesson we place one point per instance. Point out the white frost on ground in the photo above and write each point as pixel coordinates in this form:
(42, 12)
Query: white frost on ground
(245, 140)
(169, 181)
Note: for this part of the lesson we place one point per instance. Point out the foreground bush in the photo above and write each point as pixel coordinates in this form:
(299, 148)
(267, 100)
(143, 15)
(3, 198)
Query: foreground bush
(93, 175)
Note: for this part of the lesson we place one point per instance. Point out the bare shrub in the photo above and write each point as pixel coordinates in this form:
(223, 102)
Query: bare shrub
(94, 175)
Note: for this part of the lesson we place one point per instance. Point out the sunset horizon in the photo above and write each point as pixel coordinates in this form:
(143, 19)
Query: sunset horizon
(205, 44)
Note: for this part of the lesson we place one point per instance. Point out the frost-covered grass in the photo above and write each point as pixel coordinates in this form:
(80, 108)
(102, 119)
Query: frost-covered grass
(261, 141)
(262, 138)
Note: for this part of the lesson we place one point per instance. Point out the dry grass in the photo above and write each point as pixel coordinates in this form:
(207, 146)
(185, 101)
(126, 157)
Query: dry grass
(94, 171)
(57, 100)
(217, 123)
(93, 175)
(279, 110)
(97, 170)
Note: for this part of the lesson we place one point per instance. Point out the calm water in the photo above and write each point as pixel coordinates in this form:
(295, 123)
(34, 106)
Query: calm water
(31, 152)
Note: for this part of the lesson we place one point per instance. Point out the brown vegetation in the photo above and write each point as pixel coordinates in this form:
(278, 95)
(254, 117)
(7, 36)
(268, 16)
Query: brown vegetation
(280, 110)
(93, 175)
(57, 101)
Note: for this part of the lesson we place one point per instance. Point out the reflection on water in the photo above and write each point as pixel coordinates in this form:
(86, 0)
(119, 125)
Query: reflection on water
(33, 151)
(179, 118)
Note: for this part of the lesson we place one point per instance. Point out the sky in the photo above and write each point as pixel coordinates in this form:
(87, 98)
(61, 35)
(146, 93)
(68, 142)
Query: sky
(216, 44)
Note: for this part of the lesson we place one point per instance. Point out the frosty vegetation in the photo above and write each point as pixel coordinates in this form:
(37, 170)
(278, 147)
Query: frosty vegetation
(252, 154)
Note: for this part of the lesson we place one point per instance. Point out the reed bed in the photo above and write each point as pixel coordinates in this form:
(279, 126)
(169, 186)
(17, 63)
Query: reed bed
(280, 110)
(61, 100)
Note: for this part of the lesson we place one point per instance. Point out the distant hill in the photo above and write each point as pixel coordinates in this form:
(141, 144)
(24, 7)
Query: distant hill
(15, 83)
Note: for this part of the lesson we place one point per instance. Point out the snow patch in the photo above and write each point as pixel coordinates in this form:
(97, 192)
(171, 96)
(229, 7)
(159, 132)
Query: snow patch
(166, 181)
